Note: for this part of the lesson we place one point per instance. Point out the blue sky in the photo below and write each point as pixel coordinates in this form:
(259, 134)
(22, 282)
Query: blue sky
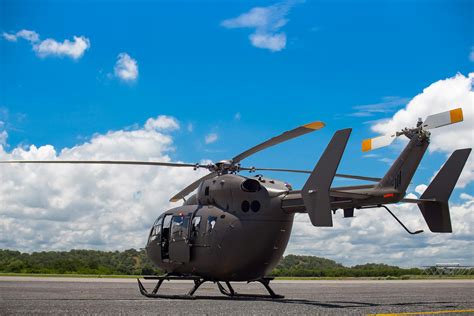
(206, 73)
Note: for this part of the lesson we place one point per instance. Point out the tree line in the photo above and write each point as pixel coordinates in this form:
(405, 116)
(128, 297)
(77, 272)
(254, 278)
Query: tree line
(136, 262)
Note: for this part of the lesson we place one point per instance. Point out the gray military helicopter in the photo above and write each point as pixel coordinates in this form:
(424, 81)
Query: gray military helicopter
(236, 228)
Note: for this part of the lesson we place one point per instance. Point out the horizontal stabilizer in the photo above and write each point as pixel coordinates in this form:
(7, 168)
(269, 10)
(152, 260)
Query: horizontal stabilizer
(315, 192)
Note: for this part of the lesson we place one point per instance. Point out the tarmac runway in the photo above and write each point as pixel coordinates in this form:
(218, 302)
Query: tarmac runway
(26, 295)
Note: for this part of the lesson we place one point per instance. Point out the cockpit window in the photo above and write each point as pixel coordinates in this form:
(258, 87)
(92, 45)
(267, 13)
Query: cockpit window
(159, 219)
(155, 233)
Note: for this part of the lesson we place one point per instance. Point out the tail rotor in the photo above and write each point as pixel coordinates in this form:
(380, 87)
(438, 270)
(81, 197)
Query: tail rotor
(422, 129)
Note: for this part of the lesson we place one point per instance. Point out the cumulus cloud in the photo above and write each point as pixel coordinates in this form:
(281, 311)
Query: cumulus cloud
(74, 49)
(211, 138)
(266, 22)
(126, 68)
(45, 207)
(162, 122)
(441, 96)
(420, 188)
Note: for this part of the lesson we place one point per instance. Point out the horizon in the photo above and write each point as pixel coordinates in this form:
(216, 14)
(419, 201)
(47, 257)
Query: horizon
(142, 249)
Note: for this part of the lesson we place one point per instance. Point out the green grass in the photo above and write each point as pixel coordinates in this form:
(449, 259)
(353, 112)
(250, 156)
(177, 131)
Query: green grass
(66, 275)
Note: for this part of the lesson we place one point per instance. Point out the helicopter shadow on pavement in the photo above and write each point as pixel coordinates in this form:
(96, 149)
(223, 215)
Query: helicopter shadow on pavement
(328, 304)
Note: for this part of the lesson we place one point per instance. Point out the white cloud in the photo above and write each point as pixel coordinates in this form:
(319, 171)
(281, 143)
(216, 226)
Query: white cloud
(74, 49)
(50, 47)
(266, 22)
(211, 138)
(9, 37)
(441, 96)
(126, 67)
(273, 42)
(30, 36)
(420, 188)
(162, 122)
(44, 207)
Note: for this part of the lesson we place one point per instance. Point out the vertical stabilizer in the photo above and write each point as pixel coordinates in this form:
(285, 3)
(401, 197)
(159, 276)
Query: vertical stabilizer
(315, 192)
(436, 213)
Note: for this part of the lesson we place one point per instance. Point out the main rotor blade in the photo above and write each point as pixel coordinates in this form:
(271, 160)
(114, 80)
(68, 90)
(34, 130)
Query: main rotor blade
(350, 176)
(193, 186)
(339, 175)
(377, 142)
(443, 119)
(301, 130)
(274, 169)
(105, 162)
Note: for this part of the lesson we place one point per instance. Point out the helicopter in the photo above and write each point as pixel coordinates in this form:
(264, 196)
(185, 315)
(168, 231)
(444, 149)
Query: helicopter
(236, 228)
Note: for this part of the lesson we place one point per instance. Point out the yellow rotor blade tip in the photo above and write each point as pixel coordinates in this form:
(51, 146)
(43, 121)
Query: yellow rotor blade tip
(367, 144)
(315, 125)
(456, 115)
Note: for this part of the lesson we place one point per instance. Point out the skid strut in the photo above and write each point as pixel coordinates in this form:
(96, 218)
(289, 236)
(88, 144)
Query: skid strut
(198, 281)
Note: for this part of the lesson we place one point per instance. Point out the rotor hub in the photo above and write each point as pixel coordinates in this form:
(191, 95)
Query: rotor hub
(224, 167)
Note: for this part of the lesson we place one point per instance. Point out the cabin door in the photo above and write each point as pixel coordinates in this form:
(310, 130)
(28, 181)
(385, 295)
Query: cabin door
(179, 249)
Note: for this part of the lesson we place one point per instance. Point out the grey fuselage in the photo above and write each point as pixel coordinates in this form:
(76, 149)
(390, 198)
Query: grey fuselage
(233, 228)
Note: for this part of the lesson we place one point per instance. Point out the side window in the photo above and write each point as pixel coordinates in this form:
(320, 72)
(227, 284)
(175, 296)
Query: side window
(167, 222)
(196, 225)
(211, 222)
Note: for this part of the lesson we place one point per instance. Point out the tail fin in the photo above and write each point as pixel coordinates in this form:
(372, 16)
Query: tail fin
(315, 192)
(402, 170)
(436, 213)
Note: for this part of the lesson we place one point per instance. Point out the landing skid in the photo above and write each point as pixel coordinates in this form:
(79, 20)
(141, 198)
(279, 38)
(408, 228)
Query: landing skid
(198, 281)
